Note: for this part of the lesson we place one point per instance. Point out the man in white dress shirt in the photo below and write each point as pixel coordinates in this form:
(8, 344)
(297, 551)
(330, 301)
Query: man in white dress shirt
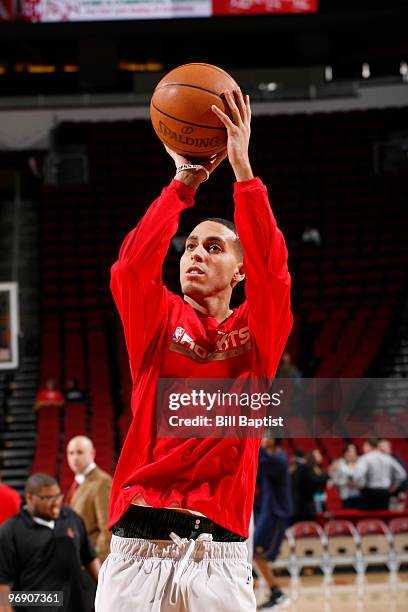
(378, 475)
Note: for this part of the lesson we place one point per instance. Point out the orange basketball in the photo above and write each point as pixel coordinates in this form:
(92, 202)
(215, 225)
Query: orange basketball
(180, 109)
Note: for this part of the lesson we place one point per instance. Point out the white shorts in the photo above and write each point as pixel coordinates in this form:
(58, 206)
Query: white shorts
(175, 576)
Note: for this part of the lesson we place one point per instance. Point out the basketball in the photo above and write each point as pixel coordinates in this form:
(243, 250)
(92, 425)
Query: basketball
(180, 109)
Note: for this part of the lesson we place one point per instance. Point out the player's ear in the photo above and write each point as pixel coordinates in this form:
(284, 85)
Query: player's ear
(239, 275)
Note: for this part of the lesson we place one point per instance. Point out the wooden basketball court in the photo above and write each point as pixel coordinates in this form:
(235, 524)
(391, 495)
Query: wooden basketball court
(372, 592)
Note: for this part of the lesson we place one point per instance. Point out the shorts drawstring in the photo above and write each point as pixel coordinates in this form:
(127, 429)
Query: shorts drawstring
(180, 542)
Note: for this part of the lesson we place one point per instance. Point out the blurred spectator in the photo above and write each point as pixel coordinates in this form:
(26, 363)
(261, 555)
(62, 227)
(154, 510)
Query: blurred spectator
(49, 395)
(9, 502)
(72, 391)
(342, 472)
(317, 478)
(297, 471)
(311, 235)
(274, 513)
(287, 369)
(45, 547)
(308, 484)
(385, 446)
(89, 493)
(378, 475)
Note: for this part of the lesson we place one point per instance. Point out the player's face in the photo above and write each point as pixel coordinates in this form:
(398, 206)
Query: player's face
(46, 503)
(210, 263)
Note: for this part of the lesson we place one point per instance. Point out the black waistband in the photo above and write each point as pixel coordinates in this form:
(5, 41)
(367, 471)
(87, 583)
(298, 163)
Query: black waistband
(158, 523)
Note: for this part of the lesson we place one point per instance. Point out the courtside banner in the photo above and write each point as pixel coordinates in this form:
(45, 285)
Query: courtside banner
(286, 408)
(258, 7)
(100, 10)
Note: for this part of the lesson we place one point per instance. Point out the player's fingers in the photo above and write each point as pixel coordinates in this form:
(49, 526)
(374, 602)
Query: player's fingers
(230, 98)
(248, 107)
(241, 104)
(222, 116)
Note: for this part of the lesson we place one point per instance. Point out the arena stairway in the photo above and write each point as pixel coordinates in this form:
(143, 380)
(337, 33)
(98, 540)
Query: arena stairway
(19, 263)
(18, 438)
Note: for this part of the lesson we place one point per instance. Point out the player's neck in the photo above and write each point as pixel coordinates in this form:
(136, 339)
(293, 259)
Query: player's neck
(211, 307)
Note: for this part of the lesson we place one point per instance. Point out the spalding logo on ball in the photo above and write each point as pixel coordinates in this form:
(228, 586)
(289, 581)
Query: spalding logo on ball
(180, 109)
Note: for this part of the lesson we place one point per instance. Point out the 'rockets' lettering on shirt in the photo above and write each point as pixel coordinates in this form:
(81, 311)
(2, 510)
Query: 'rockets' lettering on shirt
(229, 344)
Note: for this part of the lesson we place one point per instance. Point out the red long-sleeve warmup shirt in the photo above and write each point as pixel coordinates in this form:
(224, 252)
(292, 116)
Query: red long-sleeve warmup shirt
(215, 477)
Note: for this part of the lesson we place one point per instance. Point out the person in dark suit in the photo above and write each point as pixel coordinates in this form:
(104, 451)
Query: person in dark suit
(308, 479)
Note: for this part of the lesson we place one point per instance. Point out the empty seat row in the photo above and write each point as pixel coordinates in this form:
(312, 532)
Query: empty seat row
(340, 543)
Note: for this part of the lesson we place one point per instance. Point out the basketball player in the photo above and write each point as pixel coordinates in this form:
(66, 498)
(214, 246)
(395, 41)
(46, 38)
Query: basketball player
(180, 508)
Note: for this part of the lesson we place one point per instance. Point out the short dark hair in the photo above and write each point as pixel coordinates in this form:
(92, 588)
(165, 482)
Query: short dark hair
(37, 481)
(231, 225)
(373, 442)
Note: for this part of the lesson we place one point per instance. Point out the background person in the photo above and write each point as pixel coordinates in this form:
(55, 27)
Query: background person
(49, 395)
(89, 493)
(342, 473)
(45, 548)
(378, 475)
(308, 484)
(72, 391)
(275, 509)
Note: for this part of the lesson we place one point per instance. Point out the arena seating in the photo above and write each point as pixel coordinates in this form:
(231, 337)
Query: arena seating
(346, 294)
(375, 542)
(310, 546)
(399, 530)
(341, 544)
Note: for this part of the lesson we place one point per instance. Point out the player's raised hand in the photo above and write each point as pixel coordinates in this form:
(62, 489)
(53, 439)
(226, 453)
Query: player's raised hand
(239, 132)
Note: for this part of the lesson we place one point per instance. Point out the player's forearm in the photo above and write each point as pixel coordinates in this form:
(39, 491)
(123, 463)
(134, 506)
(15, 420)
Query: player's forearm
(148, 243)
(268, 280)
(243, 171)
(262, 241)
(191, 179)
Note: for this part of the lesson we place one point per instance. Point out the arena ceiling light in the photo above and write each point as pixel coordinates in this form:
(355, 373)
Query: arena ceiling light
(150, 66)
(41, 68)
(71, 68)
(268, 86)
(328, 73)
(365, 70)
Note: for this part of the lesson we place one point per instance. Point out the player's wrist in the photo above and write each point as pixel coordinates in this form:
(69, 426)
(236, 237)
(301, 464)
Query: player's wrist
(243, 171)
(191, 178)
